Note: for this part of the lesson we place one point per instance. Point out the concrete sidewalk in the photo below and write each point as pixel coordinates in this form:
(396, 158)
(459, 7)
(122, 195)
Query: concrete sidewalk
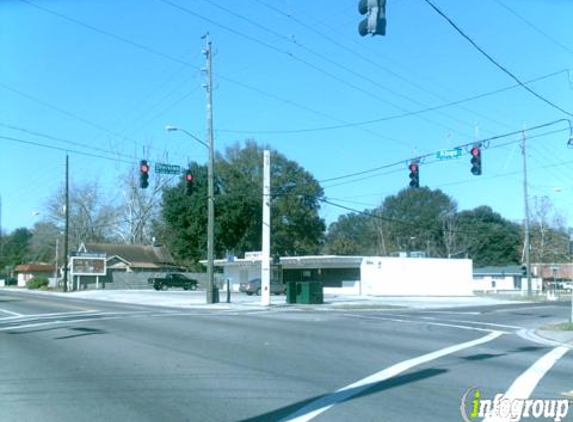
(197, 299)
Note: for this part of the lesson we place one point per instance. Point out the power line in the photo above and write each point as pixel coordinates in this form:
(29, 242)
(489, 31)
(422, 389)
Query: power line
(535, 28)
(55, 138)
(177, 60)
(483, 141)
(495, 62)
(398, 116)
(298, 59)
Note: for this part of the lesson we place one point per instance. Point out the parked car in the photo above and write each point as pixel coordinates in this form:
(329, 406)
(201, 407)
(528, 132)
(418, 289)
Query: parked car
(173, 280)
(254, 287)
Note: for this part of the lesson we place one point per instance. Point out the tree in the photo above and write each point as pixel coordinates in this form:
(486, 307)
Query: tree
(354, 234)
(92, 219)
(297, 228)
(15, 248)
(487, 237)
(45, 237)
(413, 220)
(139, 208)
(548, 232)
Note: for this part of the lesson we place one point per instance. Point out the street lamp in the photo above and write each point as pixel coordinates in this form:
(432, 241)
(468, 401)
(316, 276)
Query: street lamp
(211, 211)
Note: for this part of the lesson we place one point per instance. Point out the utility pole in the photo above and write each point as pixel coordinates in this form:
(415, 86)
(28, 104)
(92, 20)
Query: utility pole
(526, 224)
(67, 223)
(210, 170)
(266, 256)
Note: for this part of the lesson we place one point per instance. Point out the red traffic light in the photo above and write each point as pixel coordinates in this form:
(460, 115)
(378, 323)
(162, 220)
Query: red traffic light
(189, 177)
(413, 167)
(475, 151)
(144, 168)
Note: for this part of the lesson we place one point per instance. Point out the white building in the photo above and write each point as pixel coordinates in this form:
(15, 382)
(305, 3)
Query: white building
(375, 276)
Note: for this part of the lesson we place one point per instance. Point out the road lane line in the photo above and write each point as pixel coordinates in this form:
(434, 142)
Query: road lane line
(321, 405)
(439, 324)
(524, 385)
(41, 324)
(10, 312)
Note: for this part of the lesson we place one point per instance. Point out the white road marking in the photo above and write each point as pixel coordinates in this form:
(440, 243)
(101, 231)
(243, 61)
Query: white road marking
(490, 324)
(10, 312)
(524, 385)
(74, 321)
(321, 405)
(439, 324)
(523, 308)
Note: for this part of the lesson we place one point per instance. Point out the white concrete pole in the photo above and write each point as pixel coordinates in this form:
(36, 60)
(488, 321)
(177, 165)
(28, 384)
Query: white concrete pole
(266, 258)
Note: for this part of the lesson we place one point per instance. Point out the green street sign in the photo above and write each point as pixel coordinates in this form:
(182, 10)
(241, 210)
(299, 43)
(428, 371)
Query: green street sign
(161, 168)
(449, 154)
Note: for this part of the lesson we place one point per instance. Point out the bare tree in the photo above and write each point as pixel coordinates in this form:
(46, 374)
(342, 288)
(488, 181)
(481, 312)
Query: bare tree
(548, 232)
(92, 215)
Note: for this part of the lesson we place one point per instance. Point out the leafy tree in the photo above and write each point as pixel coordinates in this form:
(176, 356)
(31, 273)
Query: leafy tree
(297, 228)
(488, 238)
(413, 220)
(353, 234)
(15, 248)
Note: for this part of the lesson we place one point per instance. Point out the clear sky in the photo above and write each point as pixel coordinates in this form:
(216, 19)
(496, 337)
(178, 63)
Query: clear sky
(104, 77)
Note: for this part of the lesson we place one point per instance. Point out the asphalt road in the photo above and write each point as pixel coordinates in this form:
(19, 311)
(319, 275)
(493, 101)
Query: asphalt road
(74, 360)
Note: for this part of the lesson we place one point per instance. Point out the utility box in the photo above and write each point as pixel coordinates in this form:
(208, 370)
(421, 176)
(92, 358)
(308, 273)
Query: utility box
(309, 292)
(291, 291)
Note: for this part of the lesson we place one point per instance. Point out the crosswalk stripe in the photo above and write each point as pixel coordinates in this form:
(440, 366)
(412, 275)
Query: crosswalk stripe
(321, 405)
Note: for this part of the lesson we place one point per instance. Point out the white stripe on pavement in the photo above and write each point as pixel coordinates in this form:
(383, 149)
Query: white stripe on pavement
(425, 322)
(10, 312)
(524, 385)
(321, 405)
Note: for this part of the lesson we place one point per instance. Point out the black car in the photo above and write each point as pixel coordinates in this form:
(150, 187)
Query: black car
(173, 280)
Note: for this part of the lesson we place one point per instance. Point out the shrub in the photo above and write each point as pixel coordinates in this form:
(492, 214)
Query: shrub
(37, 283)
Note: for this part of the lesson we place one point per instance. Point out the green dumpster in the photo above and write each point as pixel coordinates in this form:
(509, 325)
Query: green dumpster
(291, 292)
(310, 292)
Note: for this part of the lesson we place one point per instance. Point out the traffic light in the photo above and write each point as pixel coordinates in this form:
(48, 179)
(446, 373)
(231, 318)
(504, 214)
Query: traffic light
(188, 182)
(476, 161)
(375, 22)
(143, 174)
(524, 270)
(414, 175)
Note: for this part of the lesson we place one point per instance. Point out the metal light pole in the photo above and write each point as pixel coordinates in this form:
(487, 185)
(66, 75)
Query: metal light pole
(211, 213)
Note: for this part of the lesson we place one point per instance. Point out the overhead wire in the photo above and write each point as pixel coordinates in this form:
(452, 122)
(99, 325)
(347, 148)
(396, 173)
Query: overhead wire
(495, 62)
(535, 27)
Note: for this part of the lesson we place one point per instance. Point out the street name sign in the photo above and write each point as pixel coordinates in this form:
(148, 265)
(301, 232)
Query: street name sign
(449, 154)
(161, 168)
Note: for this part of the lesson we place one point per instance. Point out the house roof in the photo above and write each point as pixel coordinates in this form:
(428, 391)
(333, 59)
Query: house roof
(35, 268)
(133, 254)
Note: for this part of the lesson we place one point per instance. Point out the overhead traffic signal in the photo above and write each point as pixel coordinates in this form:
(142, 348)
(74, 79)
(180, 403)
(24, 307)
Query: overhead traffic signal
(188, 182)
(476, 160)
(143, 174)
(414, 174)
(375, 22)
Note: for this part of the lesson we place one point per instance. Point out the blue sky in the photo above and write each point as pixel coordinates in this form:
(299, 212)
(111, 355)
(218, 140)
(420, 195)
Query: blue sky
(106, 76)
